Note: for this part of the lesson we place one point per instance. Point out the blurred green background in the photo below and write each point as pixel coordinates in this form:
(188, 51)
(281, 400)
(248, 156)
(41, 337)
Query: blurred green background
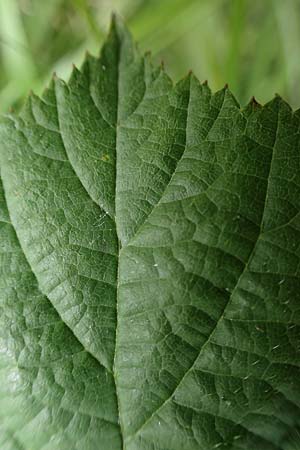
(253, 45)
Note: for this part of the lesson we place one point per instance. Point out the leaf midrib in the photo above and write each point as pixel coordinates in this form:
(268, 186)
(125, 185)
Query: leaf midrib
(118, 253)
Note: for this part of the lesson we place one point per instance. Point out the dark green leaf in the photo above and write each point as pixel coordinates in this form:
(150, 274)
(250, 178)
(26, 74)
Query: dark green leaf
(149, 264)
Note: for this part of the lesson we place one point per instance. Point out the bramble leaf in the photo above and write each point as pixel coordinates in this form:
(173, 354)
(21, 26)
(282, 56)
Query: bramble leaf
(149, 264)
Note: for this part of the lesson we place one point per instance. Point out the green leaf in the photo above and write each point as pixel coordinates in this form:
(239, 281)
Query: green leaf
(149, 264)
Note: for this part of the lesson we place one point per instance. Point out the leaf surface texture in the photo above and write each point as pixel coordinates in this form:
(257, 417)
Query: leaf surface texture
(149, 264)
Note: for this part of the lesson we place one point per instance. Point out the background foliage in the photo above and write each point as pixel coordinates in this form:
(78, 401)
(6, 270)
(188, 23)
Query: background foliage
(251, 44)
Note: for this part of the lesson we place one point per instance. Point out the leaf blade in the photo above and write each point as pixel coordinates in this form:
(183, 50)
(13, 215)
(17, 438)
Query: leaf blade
(146, 214)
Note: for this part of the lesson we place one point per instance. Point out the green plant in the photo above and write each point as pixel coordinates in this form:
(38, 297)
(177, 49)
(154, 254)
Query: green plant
(149, 265)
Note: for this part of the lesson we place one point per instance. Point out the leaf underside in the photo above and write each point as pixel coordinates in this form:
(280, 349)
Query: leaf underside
(149, 264)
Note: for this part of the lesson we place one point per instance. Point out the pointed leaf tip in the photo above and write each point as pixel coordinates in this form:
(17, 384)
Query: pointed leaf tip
(254, 102)
(117, 23)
